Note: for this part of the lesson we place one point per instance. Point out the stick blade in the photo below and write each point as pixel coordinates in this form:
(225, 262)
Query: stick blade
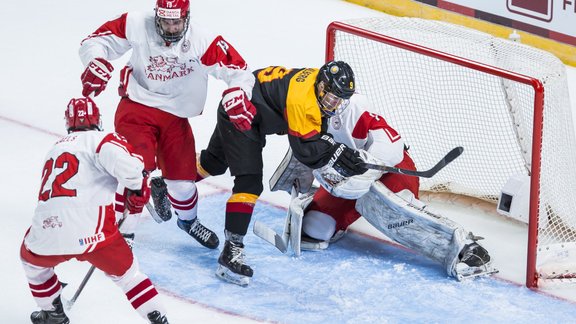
(269, 235)
(453, 154)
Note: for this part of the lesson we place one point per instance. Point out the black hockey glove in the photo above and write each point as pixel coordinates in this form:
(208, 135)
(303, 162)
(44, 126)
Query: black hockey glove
(346, 161)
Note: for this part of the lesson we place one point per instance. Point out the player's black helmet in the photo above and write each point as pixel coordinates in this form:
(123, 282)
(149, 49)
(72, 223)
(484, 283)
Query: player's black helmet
(334, 86)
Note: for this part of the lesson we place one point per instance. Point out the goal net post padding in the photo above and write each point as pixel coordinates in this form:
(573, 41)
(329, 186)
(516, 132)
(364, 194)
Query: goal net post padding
(443, 85)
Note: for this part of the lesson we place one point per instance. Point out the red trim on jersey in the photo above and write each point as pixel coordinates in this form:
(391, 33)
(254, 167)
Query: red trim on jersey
(222, 53)
(92, 246)
(304, 136)
(124, 79)
(113, 138)
(239, 207)
(116, 27)
(370, 121)
(120, 141)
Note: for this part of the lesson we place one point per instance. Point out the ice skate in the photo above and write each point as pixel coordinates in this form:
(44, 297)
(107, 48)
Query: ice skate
(474, 262)
(231, 266)
(159, 194)
(200, 233)
(308, 243)
(156, 318)
(56, 316)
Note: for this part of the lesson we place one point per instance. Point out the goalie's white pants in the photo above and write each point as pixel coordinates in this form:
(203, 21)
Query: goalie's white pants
(410, 224)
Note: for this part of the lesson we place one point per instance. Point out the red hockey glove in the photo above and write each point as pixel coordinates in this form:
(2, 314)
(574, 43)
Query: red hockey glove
(137, 199)
(96, 76)
(240, 110)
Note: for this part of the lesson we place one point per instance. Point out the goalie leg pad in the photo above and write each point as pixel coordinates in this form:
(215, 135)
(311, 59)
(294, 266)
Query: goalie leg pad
(432, 235)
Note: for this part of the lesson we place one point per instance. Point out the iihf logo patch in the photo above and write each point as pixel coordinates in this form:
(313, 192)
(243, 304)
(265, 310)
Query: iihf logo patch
(336, 122)
(185, 45)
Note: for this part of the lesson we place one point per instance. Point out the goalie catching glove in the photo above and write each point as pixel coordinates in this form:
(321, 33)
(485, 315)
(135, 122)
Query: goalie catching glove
(239, 108)
(137, 199)
(96, 76)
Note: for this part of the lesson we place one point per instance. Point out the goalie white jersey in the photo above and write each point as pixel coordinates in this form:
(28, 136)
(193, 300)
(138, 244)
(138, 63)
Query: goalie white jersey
(361, 129)
(75, 211)
(368, 133)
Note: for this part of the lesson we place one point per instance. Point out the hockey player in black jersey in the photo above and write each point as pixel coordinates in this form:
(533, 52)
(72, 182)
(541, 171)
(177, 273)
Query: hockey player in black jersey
(295, 102)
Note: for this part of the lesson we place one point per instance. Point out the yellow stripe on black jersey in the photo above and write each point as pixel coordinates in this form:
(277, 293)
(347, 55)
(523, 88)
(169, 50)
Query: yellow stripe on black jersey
(302, 110)
(286, 103)
(291, 93)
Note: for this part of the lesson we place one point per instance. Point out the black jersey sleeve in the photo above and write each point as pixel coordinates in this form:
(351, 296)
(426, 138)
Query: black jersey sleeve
(314, 152)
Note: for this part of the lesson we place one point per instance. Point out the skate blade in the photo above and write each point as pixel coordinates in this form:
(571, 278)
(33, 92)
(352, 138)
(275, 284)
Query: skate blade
(313, 246)
(464, 272)
(229, 276)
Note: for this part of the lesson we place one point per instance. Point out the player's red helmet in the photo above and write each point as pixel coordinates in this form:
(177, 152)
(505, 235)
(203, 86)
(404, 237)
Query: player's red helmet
(172, 19)
(82, 114)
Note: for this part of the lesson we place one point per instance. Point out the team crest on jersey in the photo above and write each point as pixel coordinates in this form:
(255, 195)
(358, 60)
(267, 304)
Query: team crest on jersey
(336, 122)
(165, 68)
(185, 45)
(51, 222)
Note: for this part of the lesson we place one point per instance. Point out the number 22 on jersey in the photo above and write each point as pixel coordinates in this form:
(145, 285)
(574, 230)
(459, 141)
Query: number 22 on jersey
(68, 163)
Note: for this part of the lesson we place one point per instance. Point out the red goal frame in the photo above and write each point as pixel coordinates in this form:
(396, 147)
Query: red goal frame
(538, 122)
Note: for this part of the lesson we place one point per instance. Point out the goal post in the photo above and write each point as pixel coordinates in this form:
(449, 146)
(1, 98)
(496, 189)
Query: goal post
(443, 85)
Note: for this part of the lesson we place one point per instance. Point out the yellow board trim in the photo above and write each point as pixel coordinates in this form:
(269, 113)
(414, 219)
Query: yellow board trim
(407, 8)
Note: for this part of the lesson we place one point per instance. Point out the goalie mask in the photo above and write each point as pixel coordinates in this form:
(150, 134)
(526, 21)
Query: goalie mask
(334, 86)
(82, 114)
(172, 19)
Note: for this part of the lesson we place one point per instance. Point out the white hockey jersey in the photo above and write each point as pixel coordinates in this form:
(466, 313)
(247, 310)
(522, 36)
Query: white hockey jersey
(82, 172)
(362, 129)
(365, 131)
(172, 78)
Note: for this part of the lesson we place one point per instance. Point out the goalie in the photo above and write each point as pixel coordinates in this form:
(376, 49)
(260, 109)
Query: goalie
(390, 204)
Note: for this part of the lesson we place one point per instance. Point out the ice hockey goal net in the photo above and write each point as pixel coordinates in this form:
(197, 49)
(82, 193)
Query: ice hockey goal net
(507, 104)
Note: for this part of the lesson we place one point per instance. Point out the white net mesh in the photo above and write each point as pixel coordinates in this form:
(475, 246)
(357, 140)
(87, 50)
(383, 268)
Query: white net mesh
(437, 105)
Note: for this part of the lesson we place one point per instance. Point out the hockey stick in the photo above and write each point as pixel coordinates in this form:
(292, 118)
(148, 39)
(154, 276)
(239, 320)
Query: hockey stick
(451, 156)
(88, 275)
(266, 233)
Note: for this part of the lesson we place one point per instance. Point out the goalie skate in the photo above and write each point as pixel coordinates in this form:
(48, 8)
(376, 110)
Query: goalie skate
(474, 262)
(466, 272)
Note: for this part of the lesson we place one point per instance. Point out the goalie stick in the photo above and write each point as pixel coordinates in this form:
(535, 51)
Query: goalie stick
(266, 233)
(451, 156)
